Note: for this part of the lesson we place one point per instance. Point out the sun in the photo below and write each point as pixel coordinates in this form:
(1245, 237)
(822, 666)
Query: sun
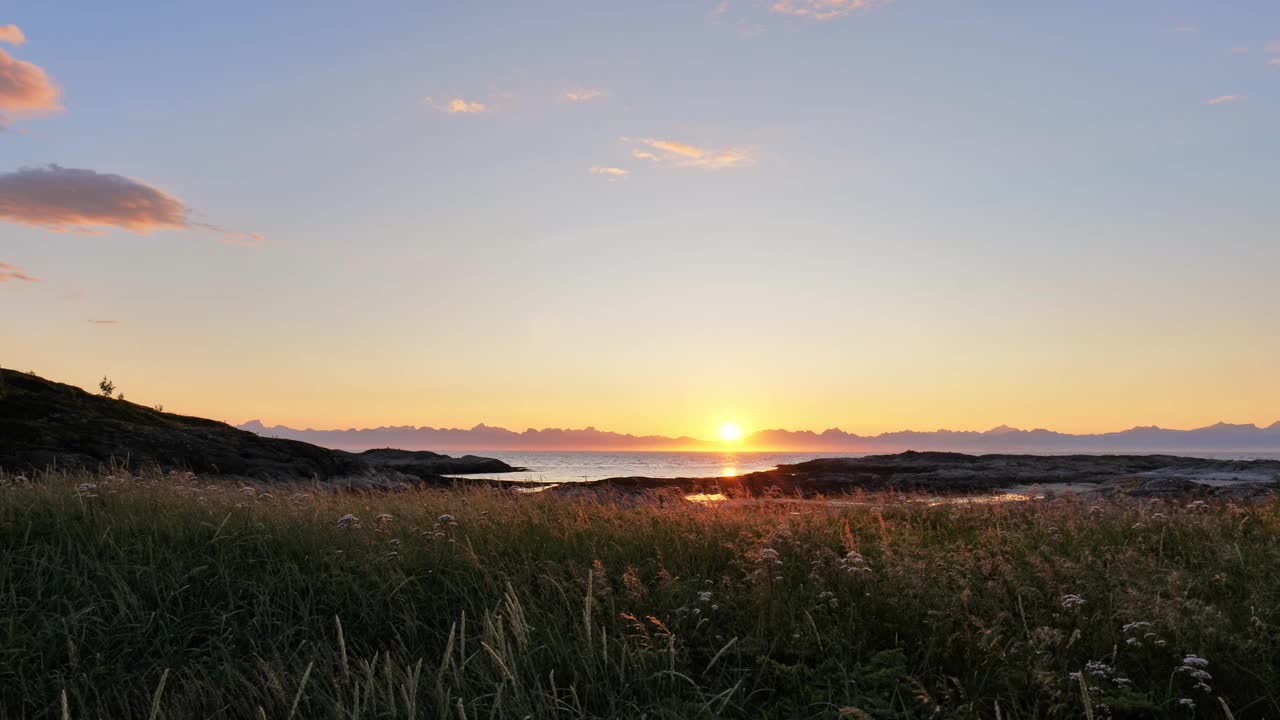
(730, 432)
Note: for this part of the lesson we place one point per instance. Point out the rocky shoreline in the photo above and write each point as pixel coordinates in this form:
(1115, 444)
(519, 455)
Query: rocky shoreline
(957, 474)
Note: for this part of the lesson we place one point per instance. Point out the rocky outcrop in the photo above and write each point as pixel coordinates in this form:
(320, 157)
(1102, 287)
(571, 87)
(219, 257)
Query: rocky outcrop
(46, 425)
(949, 473)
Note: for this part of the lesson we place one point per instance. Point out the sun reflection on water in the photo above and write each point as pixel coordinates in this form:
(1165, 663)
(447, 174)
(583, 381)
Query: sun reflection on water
(706, 498)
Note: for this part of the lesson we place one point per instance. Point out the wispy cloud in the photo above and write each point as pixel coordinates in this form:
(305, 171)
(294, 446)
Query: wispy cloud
(13, 272)
(610, 173)
(1272, 48)
(581, 94)
(681, 154)
(1274, 61)
(822, 9)
(458, 106)
(12, 34)
(76, 200)
(1188, 28)
(105, 322)
(1223, 99)
(1240, 50)
(25, 88)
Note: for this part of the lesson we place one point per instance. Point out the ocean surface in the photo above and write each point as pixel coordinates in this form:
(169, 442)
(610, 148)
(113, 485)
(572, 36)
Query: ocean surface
(580, 466)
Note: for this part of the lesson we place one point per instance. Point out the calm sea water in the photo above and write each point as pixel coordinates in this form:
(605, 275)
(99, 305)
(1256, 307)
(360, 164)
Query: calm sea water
(579, 466)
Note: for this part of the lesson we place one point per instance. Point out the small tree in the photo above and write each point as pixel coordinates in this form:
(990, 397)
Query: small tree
(106, 388)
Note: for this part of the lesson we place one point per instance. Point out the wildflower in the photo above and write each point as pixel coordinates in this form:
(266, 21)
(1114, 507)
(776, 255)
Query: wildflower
(854, 563)
(1198, 505)
(829, 598)
(770, 555)
(1195, 661)
(446, 519)
(86, 490)
(1187, 703)
(1098, 668)
(704, 596)
(1071, 602)
(348, 521)
(247, 491)
(394, 541)
(1194, 667)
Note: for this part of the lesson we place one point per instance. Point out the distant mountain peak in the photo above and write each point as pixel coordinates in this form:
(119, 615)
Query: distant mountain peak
(1002, 430)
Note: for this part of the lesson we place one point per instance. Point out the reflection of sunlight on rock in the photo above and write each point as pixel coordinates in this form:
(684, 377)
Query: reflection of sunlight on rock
(706, 497)
(729, 471)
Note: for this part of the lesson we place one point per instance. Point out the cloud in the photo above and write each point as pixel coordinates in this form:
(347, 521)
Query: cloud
(822, 9)
(1274, 61)
(12, 34)
(458, 106)
(1272, 48)
(1185, 28)
(1221, 99)
(1240, 50)
(581, 94)
(105, 322)
(13, 272)
(612, 173)
(75, 200)
(679, 154)
(25, 88)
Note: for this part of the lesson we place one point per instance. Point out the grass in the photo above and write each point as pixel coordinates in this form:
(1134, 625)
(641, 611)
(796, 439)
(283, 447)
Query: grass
(166, 597)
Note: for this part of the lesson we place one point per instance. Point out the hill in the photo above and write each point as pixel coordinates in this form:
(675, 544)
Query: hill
(46, 424)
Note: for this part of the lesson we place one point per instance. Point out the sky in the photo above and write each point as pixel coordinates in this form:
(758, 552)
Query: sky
(650, 217)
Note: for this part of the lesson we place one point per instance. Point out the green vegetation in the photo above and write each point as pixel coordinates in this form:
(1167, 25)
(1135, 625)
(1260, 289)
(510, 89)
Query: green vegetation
(167, 597)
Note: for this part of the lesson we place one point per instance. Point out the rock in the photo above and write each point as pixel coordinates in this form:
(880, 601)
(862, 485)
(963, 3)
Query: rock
(952, 473)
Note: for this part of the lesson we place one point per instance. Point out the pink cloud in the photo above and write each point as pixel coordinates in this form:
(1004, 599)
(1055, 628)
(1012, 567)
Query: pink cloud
(105, 322)
(680, 154)
(12, 272)
(25, 88)
(612, 173)
(1222, 99)
(12, 34)
(75, 200)
(458, 106)
(822, 9)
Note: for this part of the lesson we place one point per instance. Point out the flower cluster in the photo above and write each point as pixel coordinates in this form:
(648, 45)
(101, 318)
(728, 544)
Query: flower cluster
(1071, 602)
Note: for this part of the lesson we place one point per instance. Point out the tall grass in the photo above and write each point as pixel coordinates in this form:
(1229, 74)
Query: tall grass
(167, 597)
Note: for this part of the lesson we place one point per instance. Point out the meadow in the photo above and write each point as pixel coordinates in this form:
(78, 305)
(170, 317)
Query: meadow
(165, 596)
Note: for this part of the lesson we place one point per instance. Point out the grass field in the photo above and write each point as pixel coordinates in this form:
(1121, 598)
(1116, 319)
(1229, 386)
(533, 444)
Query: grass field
(164, 597)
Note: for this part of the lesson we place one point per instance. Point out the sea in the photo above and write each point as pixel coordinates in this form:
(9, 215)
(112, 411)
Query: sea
(561, 467)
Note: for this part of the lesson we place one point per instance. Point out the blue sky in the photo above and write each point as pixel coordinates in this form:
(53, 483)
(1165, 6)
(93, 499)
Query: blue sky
(938, 213)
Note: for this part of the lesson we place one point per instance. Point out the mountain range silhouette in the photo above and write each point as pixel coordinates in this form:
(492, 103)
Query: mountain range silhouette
(1221, 437)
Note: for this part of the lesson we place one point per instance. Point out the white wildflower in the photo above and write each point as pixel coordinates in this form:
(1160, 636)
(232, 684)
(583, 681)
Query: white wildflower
(348, 521)
(854, 563)
(1071, 602)
(1195, 661)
